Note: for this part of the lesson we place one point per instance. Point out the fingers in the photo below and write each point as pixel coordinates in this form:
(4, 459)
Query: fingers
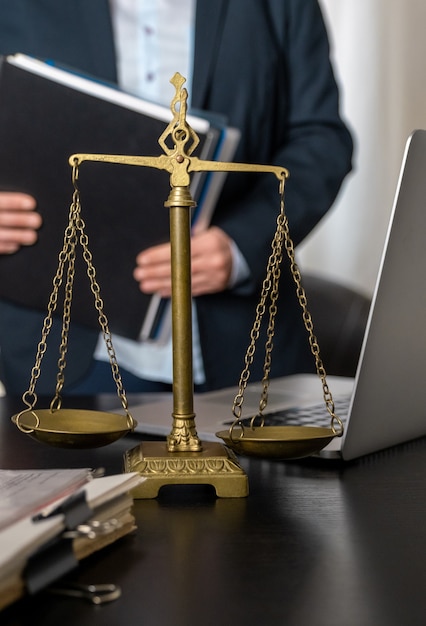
(153, 270)
(211, 261)
(16, 201)
(18, 221)
(211, 265)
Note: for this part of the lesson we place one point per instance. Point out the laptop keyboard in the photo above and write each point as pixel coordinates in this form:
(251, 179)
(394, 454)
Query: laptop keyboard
(314, 415)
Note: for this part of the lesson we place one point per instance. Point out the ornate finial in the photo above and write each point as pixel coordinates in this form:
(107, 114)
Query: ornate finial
(179, 130)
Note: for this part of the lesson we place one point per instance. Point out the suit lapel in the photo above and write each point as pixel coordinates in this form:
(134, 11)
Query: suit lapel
(210, 17)
(95, 23)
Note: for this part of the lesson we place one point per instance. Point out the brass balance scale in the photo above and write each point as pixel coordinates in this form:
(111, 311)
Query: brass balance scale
(183, 458)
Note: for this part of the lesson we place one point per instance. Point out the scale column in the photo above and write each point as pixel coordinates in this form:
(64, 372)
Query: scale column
(183, 436)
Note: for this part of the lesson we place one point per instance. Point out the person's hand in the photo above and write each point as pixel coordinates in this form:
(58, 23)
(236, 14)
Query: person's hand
(211, 265)
(18, 221)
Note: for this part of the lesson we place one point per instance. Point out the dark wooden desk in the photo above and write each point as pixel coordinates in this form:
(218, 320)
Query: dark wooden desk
(311, 545)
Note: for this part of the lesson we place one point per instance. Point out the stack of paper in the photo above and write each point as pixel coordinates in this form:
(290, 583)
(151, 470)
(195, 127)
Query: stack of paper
(51, 519)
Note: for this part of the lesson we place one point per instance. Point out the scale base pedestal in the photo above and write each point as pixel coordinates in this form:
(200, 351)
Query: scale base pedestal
(215, 465)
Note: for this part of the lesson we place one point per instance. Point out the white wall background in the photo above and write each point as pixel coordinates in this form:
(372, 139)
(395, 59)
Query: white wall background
(379, 54)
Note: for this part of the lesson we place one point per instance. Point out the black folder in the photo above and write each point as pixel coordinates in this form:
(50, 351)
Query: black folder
(47, 114)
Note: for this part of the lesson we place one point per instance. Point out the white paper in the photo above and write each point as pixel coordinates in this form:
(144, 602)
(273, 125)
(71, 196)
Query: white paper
(27, 492)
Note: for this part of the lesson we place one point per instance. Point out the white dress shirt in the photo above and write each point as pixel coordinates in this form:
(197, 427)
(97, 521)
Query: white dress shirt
(153, 40)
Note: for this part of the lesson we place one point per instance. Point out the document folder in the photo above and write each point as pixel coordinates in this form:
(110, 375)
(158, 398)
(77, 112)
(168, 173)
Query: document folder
(48, 113)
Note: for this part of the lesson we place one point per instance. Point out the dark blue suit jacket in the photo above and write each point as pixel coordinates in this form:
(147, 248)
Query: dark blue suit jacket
(265, 65)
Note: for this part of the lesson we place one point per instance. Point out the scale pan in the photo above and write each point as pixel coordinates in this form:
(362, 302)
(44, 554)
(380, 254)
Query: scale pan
(277, 442)
(73, 428)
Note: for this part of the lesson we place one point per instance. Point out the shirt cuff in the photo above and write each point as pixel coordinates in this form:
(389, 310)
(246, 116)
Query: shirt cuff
(240, 273)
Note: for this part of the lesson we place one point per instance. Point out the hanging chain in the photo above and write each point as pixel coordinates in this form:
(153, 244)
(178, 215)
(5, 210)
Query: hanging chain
(74, 234)
(270, 287)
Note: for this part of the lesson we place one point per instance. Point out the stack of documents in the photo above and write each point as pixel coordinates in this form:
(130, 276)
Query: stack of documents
(51, 519)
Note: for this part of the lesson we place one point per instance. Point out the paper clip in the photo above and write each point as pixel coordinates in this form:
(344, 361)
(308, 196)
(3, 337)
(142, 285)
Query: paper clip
(96, 594)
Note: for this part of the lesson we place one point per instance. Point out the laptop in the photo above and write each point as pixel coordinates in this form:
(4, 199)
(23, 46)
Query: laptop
(385, 403)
